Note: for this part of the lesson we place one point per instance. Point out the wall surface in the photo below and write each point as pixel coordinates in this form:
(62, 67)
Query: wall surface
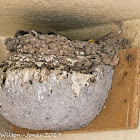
(63, 15)
(79, 19)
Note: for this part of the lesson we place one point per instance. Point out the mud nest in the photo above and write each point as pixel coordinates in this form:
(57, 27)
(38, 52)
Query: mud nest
(49, 82)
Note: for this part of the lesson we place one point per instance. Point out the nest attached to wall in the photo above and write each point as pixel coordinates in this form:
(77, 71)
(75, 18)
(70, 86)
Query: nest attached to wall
(49, 82)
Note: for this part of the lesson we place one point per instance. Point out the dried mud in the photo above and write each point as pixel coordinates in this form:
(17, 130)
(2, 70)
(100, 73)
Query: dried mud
(57, 52)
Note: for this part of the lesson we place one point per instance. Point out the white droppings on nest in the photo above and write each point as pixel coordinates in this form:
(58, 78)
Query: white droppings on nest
(54, 78)
(35, 74)
(49, 58)
(39, 64)
(43, 74)
(82, 53)
(79, 81)
(62, 76)
(26, 76)
(72, 61)
(81, 57)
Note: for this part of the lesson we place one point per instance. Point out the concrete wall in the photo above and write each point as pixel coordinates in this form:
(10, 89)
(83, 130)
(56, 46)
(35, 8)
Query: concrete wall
(79, 19)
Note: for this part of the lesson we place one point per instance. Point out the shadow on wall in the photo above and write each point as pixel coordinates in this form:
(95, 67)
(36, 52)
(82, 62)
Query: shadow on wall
(54, 21)
(48, 21)
(58, 21)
